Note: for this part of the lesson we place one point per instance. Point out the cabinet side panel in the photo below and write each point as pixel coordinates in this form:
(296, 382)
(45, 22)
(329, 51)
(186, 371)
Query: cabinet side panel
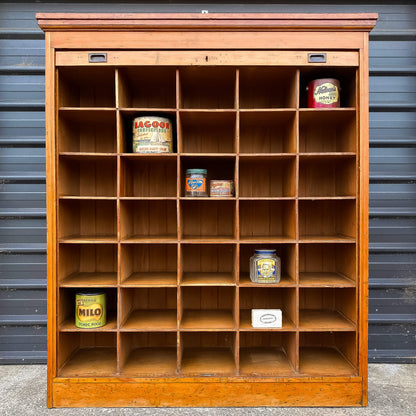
(51, 210)
(363, 221)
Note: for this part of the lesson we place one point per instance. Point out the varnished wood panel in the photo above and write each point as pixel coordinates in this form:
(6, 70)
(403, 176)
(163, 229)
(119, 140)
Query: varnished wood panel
(165, 393)
(205, 40)
(204, 58)
(302, 178)
(213, 21)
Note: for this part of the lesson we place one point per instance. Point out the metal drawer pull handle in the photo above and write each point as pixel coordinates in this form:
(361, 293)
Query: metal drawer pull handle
(316, 57)
(97, 57)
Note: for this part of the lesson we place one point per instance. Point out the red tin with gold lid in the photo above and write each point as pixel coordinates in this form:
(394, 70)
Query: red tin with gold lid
(324, 93)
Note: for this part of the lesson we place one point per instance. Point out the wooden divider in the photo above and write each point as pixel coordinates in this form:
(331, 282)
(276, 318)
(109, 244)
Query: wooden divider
(176, 269)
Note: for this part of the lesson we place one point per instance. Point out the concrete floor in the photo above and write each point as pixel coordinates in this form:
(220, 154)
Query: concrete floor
(392, 392)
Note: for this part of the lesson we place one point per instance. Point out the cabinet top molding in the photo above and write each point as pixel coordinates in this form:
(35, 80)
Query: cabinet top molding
(363, 22)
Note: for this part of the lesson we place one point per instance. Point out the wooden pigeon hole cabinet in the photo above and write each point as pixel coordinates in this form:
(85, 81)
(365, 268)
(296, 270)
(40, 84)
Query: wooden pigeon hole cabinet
(175, 269)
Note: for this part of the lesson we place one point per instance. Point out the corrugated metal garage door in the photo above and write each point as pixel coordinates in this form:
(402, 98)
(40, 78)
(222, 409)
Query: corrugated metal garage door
(392, 169)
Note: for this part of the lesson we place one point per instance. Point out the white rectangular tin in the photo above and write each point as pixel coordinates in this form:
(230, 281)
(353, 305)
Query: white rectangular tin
(266, 318)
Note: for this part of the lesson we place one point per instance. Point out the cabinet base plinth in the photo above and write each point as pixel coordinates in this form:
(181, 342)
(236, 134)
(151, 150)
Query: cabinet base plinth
(218, 393)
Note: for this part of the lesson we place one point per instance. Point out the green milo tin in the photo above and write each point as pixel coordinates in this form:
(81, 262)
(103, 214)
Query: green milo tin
(90, 310)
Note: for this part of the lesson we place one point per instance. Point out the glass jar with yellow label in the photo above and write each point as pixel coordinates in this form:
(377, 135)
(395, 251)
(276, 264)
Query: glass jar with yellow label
(265, 266)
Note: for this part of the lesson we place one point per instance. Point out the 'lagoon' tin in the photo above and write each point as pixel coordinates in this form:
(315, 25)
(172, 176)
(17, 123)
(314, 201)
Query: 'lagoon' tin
(152, 134)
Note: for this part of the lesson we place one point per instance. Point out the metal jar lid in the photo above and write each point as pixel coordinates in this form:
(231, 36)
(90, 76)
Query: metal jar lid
(196, 171)
(97, 293)
(265, 251)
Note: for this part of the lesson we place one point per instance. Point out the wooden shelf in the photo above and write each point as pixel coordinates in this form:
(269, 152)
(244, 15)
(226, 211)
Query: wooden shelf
(86, 87)
(323, 320)
(144, 157)
(137, 87)
(148, 264)
(264, 361)
(267, 240)
(326, 198)
(205, 132)
(150, 279)
(264, 176)
(148, 309)
(208, 239)
(150, 362)
(151, 320)
(207, 198)
(326, 239)
(91, 362)
(324, 279)
(245, 323)
(324, 362)
(88, 198)
(207, 279)
(69, 326)
(91, 279)
(267, 156)
(85, 111)
(208, 155)
(175, 269)
(151, 110)
(328, 110)
(327, 176)
(319, 156)
(207, 362)
(285, 281)
(165, 239)
(147, 177)
(90, 239)
(87, 221)
(207, 320)
(327, 130)
(89, 155)
(267, 87)
(148, 221)
(207, 88)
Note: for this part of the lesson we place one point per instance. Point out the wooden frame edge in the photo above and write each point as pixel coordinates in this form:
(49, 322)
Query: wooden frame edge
(214, 394)
(207, 21)
(364, 206)
(51, 213)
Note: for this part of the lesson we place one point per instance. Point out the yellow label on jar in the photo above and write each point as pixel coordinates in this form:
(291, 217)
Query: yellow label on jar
(326, 93)
(266, 270)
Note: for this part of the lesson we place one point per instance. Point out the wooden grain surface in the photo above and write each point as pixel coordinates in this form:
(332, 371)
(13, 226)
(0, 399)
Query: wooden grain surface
(50, 107)
(363, 216)
(299, 192)
(205, 40)
(200, 58)
(162, 393)
(212, 21)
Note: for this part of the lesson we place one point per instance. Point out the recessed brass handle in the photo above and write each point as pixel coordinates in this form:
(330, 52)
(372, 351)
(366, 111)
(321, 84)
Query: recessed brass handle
(315, 58)
(97, 57)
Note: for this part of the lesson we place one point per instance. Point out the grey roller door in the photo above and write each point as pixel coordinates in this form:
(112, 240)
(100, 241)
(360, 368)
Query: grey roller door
(392, 332)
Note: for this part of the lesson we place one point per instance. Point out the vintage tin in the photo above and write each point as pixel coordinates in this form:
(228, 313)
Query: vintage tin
(324, 93)
(152, 134)
(90, 310)
(221, 188)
